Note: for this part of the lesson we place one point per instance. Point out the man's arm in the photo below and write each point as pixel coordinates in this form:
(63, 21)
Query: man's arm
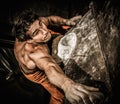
(74, 92)
(60, 21)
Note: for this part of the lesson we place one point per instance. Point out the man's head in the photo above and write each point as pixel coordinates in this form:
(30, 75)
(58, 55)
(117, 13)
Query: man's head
(29, 27)
(22, 22)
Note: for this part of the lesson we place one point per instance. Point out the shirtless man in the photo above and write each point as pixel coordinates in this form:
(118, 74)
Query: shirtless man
(36, 63)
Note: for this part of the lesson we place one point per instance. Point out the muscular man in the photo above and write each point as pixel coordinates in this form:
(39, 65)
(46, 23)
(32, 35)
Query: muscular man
(33, 55)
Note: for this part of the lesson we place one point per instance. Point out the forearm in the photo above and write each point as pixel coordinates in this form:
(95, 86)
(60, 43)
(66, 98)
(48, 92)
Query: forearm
(52, 70)
(56, 21)
(57, 77)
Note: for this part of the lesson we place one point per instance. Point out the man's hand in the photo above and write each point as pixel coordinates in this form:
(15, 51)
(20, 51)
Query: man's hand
(76, 18)
(81, 94)
(72, 21)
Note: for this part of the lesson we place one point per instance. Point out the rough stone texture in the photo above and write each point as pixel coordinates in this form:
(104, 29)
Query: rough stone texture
(90, 50)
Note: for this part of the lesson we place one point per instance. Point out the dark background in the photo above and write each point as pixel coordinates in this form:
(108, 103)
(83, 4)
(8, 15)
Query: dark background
(18, 89)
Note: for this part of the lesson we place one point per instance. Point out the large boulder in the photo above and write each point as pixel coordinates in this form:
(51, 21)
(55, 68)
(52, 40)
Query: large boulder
(90, 50)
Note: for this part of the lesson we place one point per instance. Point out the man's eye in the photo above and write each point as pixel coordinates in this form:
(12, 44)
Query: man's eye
(35, 33)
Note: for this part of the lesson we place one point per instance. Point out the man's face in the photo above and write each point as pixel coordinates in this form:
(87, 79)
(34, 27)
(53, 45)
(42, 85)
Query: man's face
(39, 32)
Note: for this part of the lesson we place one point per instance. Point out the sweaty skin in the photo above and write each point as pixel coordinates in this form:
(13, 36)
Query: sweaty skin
(39, 66)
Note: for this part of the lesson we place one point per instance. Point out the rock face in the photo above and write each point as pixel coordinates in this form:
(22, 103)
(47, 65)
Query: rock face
(89, 50)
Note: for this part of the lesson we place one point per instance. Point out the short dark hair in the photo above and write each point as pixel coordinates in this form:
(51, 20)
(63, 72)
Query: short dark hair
(22, 22)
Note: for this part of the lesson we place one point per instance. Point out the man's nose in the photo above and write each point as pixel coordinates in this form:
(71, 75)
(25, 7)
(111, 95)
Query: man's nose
(44, 32)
